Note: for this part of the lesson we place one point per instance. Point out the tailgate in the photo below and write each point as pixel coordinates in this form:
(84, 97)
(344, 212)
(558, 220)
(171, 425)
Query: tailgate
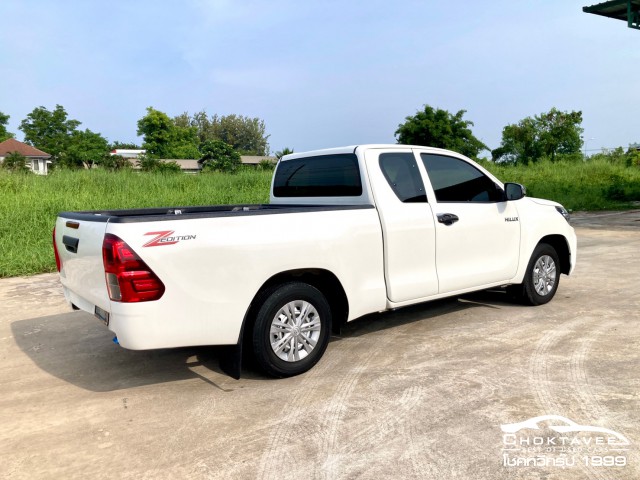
(79, 243)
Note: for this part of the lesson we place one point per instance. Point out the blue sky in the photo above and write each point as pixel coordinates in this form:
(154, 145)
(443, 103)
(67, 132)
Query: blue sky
(320, 74)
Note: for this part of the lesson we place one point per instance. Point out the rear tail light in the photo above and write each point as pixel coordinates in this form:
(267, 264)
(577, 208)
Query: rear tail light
(55, 250)
(128, 278)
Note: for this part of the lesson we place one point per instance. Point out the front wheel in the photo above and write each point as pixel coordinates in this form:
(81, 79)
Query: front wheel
(291, 329)
(541, 279)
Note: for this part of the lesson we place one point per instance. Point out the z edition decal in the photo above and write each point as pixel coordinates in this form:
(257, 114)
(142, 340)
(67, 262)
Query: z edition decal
(166, 238)
(555, 441)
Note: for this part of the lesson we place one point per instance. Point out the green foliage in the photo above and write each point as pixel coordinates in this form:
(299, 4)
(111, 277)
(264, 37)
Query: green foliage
(115, 162)
(266, 164)
(219, 156)
(633, 158)
(283, 152)
(4, 133)
(84, 149)
(595, 184)
(157, 129)
(548, 135)
(246, 135)
(185, 147)
(49, 131)
(16, 163)
(164, 139)
(439, 128)
(124, 145)
(152, 164)
(34, 201)
(167, 166)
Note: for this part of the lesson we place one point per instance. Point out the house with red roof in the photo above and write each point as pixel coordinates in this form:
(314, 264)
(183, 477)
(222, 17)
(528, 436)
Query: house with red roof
(37, 160)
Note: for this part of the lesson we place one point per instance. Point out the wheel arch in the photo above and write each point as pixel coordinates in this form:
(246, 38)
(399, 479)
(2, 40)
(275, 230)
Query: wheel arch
(561, 246)
(322, 279)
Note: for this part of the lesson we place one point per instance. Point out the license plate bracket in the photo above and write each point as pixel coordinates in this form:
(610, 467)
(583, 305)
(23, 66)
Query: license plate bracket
(101, 314)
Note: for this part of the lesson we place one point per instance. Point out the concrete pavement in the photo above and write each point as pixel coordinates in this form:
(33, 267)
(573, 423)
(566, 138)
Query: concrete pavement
(421, 392)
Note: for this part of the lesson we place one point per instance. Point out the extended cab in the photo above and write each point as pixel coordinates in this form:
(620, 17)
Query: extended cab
(348, 231)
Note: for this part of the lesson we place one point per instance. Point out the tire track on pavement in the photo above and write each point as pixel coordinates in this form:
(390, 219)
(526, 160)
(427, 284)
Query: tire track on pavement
(540, 377)
(287, 426)
(588, 402)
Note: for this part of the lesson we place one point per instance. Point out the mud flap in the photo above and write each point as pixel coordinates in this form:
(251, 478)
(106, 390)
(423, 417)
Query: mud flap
(231, 360)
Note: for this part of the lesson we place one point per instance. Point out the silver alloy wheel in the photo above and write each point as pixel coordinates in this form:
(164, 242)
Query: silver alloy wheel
(544, 275)
(295, 330)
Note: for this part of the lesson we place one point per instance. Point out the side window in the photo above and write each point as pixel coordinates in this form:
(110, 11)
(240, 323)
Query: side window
(455, 180)
(402, 173)
(321, 176)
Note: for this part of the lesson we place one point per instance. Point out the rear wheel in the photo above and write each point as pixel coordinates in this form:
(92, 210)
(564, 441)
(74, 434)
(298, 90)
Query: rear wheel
(541, 279)
(291, 330)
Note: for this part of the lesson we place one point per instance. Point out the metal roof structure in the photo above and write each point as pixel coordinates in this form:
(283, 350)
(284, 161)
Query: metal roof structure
(626, 10)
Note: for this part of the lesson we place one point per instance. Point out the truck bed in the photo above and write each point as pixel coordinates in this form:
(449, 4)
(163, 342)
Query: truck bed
(190, 212)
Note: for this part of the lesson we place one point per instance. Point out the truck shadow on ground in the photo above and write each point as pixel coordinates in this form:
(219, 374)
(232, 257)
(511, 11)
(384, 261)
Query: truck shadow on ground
(76, 348)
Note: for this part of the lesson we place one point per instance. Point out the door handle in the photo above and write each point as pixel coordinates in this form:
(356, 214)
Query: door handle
(447, 218)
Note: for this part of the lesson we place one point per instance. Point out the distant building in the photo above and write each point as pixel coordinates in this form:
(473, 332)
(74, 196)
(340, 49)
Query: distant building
(188, 165)
(128, 153)
(37, 160)
(254, 160)
(634, 146)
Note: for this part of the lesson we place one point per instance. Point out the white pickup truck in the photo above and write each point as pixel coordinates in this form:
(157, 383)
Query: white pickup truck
(348, 231)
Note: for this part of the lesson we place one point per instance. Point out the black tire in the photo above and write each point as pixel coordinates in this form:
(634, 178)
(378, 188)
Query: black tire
(526, 292)
(299, 296)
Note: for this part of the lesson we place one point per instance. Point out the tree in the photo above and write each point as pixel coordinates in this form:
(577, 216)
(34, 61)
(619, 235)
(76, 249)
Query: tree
(152, 164)
(185, 143)
(15, 162)
(219, 156)
(85, 149)
(546, 135)
(116, 162)
(49, 131)
(203, 125)
(4, 133)
(283, 152)
(124, 145)
(246, 135)
(439, 128)
(164, 139)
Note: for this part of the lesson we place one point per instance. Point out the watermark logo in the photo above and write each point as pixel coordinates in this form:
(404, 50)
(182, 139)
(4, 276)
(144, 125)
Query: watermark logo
(556, 441)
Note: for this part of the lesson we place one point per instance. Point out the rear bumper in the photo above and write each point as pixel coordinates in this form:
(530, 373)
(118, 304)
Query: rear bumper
(151, 325)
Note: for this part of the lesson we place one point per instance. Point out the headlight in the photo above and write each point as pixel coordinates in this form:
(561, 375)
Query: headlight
(562, 211)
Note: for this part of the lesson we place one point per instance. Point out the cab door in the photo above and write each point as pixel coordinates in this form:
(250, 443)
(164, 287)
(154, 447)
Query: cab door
(477, 230)
(408, 226)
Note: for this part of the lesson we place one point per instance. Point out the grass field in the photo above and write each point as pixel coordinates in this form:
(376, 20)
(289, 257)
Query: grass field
(591, 185)
(29, 203)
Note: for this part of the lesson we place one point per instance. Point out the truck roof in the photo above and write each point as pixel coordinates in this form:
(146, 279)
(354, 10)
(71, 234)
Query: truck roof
(353, 148)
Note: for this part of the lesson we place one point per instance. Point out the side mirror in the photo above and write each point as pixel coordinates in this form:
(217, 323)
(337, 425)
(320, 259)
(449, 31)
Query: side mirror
(514, 191)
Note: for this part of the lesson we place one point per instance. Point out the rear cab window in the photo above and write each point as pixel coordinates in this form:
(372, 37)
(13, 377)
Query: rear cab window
(336, 175)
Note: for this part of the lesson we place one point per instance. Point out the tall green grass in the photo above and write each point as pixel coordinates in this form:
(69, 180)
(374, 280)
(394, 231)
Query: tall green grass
(589, 185)
(29, 204)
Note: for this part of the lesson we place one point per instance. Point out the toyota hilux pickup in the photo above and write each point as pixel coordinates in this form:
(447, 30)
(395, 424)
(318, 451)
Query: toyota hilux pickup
(348, 231)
